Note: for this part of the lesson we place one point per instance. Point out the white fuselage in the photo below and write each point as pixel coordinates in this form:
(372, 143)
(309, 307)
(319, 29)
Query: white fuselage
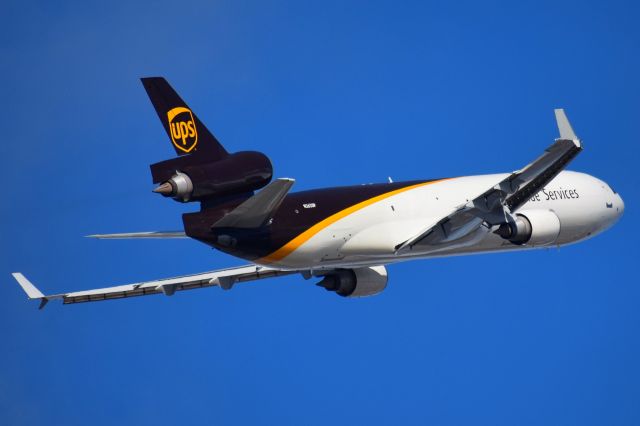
(583, 204)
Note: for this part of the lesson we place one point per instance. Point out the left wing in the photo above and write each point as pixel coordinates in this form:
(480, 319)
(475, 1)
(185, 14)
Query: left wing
(224, 278)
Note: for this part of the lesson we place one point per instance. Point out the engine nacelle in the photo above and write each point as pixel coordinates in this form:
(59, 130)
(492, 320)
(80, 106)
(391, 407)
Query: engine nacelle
(533, 228)
(193, 179)
(359, 282)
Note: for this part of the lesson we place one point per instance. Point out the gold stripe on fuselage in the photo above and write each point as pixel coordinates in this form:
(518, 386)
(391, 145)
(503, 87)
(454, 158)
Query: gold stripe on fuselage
(292, 245)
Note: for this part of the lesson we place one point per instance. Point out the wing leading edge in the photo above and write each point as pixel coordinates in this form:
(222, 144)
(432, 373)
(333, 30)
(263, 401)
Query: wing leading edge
(224, 278)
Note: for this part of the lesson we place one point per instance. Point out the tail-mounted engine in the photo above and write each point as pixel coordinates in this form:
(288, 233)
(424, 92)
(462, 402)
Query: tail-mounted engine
(534, 228)
(193, 178)
(358, 282)
(204, 169)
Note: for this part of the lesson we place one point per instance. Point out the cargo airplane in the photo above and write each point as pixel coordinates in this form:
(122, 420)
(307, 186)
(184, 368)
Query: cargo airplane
(343, 237)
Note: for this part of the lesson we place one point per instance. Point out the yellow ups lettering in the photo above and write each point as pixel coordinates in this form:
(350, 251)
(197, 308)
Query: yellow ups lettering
(175, 131)
(183, 132)
(182, 129)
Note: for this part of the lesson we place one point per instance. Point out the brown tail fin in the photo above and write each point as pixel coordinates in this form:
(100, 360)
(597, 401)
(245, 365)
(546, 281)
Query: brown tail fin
(186, 132)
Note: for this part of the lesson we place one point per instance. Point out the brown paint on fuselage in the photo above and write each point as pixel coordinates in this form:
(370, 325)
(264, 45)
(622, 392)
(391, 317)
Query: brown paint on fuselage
(290, 221)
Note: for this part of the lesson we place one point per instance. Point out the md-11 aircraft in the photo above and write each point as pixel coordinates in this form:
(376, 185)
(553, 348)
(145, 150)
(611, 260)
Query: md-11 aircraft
(343, 237)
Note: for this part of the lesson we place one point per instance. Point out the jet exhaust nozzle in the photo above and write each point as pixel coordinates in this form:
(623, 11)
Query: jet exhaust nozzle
(179, 187)
(165, 189)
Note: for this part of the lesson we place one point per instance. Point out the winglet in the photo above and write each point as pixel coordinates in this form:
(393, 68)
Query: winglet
(30, 289)
(27, 286)
(566, 131)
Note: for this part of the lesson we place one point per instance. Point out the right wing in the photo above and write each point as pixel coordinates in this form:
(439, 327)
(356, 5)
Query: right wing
(224, 278)
(470, 221)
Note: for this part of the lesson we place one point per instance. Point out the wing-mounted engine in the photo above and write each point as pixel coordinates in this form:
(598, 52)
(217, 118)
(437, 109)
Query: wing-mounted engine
(359, 282)
(534, 227)
(193, 178)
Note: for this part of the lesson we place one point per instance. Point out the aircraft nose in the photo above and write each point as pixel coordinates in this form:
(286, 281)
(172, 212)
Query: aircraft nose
(620, 204)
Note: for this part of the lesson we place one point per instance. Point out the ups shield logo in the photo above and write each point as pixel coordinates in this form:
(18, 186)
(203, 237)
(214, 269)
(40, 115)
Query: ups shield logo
(182, 128)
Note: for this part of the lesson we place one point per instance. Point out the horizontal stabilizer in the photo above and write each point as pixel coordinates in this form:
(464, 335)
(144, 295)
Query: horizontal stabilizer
(140, 235)
(257, 210)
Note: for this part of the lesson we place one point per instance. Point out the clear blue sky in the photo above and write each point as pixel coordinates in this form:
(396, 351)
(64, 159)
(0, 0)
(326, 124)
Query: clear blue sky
(335, 93)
